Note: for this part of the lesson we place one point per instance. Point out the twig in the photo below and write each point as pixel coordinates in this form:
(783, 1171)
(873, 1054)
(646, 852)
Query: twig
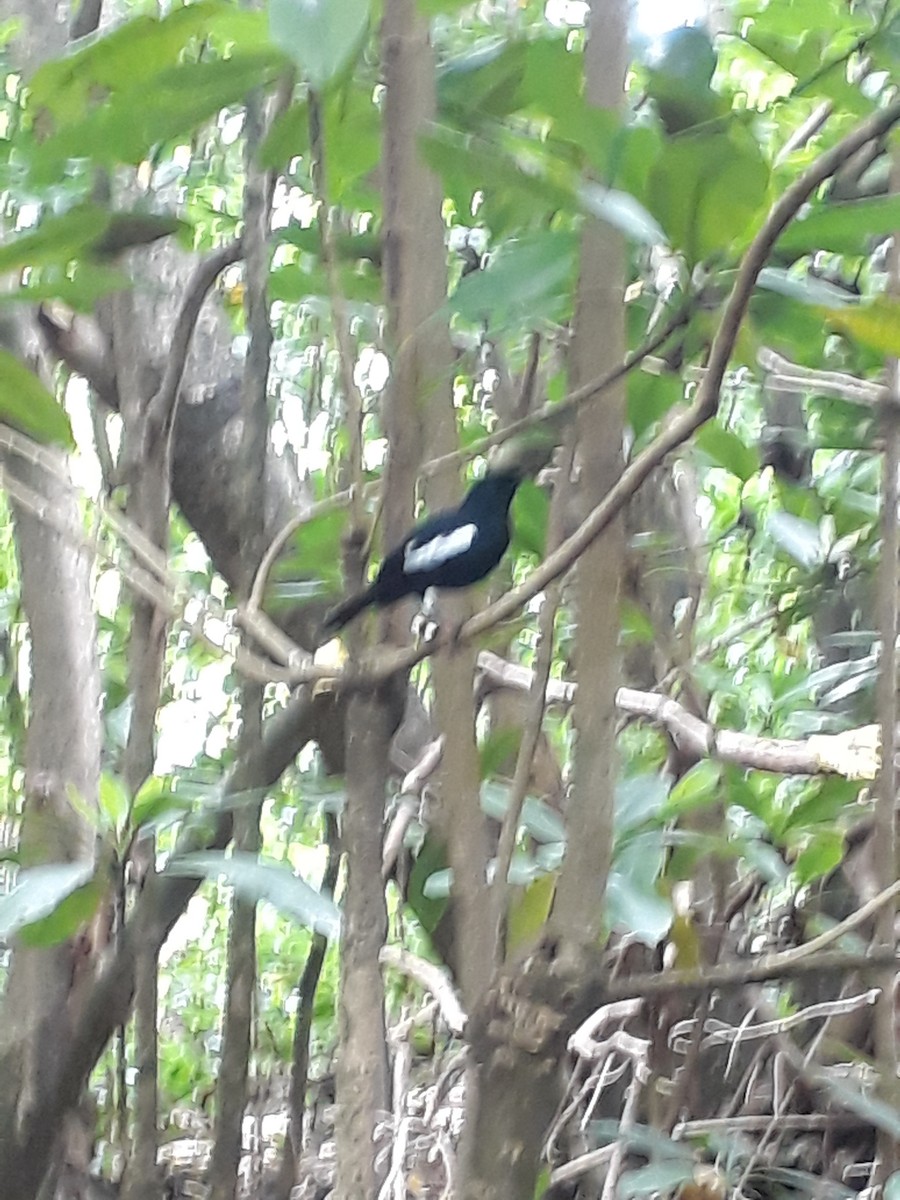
(431, 977)
(738, 974)
(551, 413)
(727, 1034)
(806, 130)
(790, 376)
(853, 754)
(629, 1115)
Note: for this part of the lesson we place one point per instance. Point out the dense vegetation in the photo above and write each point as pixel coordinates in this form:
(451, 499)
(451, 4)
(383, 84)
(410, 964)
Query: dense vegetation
(593, 892)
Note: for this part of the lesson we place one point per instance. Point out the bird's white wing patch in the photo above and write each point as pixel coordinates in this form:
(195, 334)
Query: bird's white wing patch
(439, 549)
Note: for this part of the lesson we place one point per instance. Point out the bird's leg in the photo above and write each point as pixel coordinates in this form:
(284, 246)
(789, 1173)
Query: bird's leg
(424, 624)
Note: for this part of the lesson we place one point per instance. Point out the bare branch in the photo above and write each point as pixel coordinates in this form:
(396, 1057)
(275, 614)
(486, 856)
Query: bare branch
(853, 754)
(433, 978)
(791, 377)
(162, 405)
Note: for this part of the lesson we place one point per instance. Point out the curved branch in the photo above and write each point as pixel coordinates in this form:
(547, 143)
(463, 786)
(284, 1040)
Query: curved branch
(162, 405)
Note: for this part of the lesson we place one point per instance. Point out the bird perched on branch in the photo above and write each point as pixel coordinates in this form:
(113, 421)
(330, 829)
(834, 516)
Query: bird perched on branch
(452, 549)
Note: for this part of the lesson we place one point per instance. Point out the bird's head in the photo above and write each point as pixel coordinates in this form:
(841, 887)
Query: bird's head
(523, 456)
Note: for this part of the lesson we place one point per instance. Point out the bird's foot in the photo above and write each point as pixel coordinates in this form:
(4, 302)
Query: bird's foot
(425, 624)
(423, 628)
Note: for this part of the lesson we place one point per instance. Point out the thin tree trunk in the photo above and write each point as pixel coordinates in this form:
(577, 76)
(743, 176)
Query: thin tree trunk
(598, 344)
(231, 1091)
(147, 466)
(62, 753)
(361, 1074)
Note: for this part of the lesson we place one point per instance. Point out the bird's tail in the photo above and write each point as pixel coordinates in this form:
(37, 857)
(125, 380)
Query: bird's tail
(339, 616)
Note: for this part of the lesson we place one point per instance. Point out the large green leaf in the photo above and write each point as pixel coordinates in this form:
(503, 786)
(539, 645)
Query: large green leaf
(127, 127)
(528, 279)
(27, 405)
(633, 901)
(706, 189)
(530, 513)
(875, 325)
(38, 893)
(483, 81)
(431, 860)
(320, 36)
(822, 852)
(80, 285)
(70, 915)
(57, 239)
(87, 230)
(129, 57)
(623, 212)
(516, 179)
(797, 537)
(842, 228)
(254, 879)
(725, 449)
(315, 553)
(538, 818)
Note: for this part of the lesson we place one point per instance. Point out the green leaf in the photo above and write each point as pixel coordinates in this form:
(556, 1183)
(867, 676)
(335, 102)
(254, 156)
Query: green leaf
(67, 918)
(697, 788)
(27, 405)
(128, 57)
(287, 138)
(513, 178)
(639, 798)
(320, 36)
(80, 285)
(126, 128)
(528, 912)
(633, 902)
(842, 228)
(539, 819)
(821, 854)
(431, 860)
(623, 212)
(57, 239)
(483, 81)
(542, 1183)
(706, 189)
(726, 449)
(157, 804)
(797, 537)
(254, 879)
(500, 745)
(679, 79)
(875, 325)
(660, 1177)
(114, 801)
(650, 397)
(805, 288)
(527, 279)
(38, 892)
(315, 553)
(530, 513)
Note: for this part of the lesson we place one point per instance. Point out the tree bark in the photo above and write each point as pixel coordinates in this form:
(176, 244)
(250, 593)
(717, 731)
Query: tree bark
(598, 344)
(362, 1077)
(46, 987)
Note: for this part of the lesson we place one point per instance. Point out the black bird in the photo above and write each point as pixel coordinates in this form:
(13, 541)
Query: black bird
(453, 549)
